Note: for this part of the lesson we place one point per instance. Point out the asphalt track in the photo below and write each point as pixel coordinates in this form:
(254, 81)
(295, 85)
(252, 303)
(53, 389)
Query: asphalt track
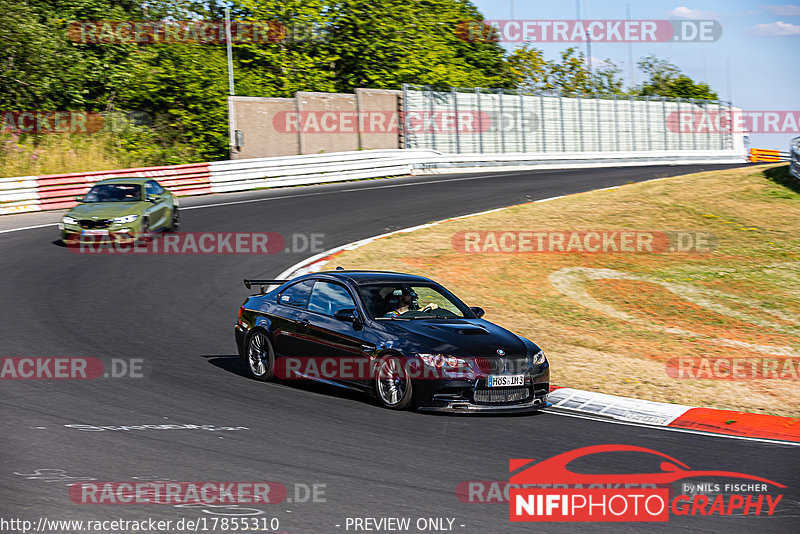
(176, 313)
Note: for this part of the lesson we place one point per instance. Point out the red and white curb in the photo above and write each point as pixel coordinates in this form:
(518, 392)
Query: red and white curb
(730, 423)
(612, 408)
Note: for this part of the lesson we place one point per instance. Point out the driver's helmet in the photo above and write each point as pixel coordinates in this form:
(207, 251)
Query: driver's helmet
(393, 298)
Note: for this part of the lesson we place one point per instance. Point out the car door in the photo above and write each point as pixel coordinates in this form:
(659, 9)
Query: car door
(289, 324)
(332, 346)
(167, 202)
(159, 208)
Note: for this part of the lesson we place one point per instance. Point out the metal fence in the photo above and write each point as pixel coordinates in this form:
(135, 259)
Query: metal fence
(463, 121)
(794, 158)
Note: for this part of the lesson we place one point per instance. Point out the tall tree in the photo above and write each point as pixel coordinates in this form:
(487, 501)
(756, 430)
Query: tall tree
(385, 43)
(666, 79)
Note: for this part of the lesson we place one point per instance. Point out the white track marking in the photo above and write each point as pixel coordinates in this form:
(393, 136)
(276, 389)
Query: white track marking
(27, 228)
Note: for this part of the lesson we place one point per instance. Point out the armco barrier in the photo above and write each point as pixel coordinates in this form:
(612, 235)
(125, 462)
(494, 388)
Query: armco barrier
(37, 193)
(246, 174)
(57, 191)
(454, 163)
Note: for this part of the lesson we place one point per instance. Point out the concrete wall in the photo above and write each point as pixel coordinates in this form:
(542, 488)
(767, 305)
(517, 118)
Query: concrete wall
(256, 118)
(313, 123)
(326, 122)
(379, 104)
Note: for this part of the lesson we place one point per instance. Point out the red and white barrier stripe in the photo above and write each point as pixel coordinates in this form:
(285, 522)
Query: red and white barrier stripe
(58, 191)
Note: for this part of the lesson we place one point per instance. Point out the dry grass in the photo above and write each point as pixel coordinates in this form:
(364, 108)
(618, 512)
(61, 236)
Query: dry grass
(754, 214)
(55, 154)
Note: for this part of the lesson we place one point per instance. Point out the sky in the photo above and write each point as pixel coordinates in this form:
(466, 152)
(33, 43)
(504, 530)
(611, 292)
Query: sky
(759, 41)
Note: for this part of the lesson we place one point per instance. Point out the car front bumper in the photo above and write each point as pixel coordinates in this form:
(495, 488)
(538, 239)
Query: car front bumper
(460, 396)
(464, 406)
(74, 236)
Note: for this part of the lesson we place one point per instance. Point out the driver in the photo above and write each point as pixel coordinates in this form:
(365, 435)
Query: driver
(404, 300)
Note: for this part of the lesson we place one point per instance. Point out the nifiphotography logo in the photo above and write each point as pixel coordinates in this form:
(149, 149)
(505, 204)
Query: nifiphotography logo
(549, 491)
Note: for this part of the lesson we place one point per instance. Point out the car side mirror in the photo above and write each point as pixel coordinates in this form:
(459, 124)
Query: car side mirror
(478, 311)
(79, 198)
(347, 315)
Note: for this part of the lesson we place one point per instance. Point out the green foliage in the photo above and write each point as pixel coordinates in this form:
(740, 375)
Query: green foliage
(666, 79)
(530, 71)
(330, 45)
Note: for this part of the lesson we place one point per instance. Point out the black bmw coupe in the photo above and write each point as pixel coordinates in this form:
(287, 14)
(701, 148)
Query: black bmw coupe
(404, 338)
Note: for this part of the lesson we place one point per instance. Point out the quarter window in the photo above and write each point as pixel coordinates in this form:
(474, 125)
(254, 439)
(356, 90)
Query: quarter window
(297, 294)
(328, 298)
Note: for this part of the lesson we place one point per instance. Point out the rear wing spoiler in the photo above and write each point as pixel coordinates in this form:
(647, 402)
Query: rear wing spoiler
(263, 283)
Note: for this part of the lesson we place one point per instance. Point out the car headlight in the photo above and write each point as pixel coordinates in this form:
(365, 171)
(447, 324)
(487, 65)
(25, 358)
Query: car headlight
(69, 220)
(125, 219)
(538, 358)
(443, 361)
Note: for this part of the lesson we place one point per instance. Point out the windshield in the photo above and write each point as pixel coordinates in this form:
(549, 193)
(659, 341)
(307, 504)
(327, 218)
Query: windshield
(411, 301)
(114, 193)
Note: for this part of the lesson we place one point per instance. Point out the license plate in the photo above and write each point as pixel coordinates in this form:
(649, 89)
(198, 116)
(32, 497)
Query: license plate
(94, 232)
(496, 381)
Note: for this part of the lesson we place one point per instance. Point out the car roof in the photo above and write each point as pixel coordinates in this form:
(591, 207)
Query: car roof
(124, 180)
(361, 277)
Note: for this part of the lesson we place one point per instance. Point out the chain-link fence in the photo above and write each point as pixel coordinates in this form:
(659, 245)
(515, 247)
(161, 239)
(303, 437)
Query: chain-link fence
(463, 121)
(794, 158)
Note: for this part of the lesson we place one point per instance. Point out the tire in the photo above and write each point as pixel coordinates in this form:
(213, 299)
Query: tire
(175, 221)
(259, 356)
(393, 387)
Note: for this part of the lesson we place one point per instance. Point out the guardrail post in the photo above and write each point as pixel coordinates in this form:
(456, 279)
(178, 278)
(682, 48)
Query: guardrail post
(542, 121)
(480, 118)
(431, 118)
(522, 118)
(599, 129)
(616, 121)
(500, 92)
(455, 108)
(401, 124)
(722, 138)
(649, 126)
(561, 116)
(632, 115)
(580, 120)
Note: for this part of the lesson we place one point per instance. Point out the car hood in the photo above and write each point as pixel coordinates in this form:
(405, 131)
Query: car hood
(459, 337)
(106, 210)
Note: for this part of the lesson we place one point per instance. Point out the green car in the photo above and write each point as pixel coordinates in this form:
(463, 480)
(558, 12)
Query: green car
(120, 210)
